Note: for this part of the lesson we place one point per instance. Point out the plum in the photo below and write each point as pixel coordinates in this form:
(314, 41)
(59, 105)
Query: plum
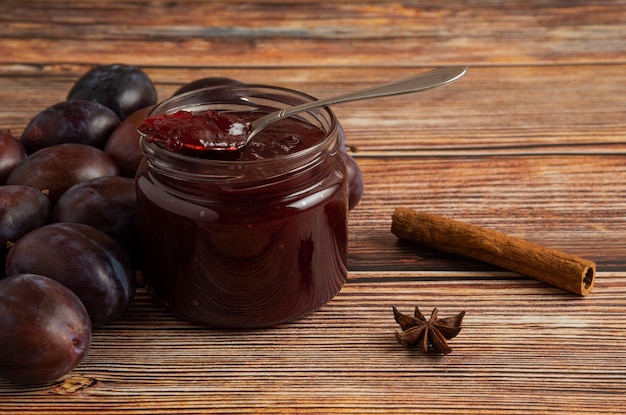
(205, 83)
(45, 328)
(355, 176)
(74, 121)
(123, 143)
(22, 209)
(12, 152)
(123, 88)
(84, 259)
(60, 167)
(109, 204)
(355, 179)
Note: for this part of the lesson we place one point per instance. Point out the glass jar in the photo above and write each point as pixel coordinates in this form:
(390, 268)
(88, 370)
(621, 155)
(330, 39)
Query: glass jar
(240, 244)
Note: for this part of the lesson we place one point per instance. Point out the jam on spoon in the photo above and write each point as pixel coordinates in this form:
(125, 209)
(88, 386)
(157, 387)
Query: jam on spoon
(198, 132)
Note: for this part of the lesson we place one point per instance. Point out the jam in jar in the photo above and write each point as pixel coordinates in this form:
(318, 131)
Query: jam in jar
(250, 237)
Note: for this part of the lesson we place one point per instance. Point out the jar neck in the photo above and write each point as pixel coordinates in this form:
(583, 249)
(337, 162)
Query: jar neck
(173, 166)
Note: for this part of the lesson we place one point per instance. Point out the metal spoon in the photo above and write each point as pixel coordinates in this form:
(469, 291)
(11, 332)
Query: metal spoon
(427, 80)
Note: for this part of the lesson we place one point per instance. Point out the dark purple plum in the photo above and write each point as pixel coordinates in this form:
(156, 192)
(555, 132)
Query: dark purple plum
(355, 176)
(57, 168)
(74, 121)
(22, 209)
(205, 83)
(123, 144)
(12, 152)
(109, 204)
(87, 261)
(45, 329)
(123, 88)
(355, 180)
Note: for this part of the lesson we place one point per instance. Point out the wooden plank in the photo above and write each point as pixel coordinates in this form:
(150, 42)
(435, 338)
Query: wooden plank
(524, 346)
(492, 110)
(572, 203)
(296, 33)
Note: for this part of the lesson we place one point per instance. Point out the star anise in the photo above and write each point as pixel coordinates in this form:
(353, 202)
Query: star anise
(428, 334)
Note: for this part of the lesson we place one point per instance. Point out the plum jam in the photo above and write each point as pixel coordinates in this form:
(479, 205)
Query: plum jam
(196, 132)
(250, 237)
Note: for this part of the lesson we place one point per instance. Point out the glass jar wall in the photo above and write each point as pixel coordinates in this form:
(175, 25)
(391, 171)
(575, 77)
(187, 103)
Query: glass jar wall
(246, 241)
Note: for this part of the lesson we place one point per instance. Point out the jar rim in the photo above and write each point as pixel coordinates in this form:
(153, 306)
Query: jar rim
(329, 130)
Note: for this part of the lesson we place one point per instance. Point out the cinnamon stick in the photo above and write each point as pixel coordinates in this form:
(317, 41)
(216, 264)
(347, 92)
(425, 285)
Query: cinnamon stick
(562, 270)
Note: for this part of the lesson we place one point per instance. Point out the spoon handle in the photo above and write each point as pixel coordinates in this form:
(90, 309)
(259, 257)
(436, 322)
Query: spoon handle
(431, 79)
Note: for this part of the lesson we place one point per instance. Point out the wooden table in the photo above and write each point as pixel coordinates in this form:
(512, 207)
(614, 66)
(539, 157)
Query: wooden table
(532, 142)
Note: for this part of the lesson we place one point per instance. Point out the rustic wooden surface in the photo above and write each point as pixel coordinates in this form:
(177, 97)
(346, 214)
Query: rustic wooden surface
(531, 142)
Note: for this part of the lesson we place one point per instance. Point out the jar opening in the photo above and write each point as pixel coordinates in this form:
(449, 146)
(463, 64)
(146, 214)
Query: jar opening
(249, 101)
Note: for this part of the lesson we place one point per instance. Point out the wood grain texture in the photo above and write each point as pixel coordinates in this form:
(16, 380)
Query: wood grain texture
(490, 111)
(297, 33)
(345, 359)
(531, 142)
(574, 203)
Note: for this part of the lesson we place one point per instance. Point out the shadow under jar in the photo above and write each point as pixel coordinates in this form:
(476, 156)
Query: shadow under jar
(252, 237)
